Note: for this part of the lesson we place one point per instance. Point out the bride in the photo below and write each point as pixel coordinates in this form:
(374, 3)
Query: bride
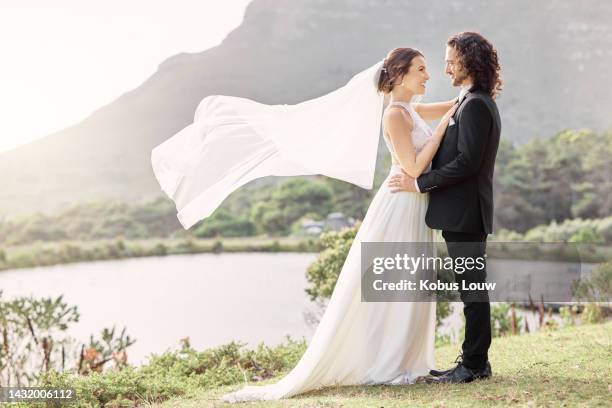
(355, 342)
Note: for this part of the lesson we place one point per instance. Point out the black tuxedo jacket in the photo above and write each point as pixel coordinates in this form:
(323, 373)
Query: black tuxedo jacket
(460, 183)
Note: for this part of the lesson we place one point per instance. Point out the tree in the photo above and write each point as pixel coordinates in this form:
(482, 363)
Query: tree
(323, 273)
(223, 223)
(563, 177)
(290, 201)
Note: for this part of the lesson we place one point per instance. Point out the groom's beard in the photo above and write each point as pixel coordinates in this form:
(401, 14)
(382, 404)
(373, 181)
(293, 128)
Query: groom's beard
(458, 78)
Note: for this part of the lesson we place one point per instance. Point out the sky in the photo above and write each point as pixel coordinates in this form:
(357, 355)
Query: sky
(61, 60)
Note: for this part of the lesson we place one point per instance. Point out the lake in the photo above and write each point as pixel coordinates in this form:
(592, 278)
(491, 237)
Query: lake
(213, 299)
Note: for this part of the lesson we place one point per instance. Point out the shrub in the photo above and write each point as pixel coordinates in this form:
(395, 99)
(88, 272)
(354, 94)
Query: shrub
(222, 223)
(179, 373)
(323, 273)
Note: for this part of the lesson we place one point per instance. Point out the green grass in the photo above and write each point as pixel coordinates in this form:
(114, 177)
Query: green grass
(570, 367)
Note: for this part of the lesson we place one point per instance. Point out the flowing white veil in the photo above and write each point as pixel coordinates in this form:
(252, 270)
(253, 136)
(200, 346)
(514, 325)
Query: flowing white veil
(235, 140)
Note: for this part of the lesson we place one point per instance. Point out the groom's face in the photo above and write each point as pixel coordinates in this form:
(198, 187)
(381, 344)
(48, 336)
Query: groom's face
(453, 68)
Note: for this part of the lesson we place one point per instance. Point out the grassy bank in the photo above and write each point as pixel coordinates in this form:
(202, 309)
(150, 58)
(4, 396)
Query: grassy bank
(62, 252)
(54, 253)
(565, 368)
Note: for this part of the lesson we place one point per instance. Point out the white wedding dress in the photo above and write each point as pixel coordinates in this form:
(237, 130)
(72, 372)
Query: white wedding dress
(368, 343)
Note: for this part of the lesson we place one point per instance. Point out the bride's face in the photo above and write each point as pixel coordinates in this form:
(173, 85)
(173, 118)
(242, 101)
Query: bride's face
(416, 78)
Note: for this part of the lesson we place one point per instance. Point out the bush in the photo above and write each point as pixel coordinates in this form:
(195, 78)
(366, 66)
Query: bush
(504, 320)
(179, 373)
(597, 287)
(587, 235)
(224, 224)
(290, 201)
(323, 273)
(595, 231)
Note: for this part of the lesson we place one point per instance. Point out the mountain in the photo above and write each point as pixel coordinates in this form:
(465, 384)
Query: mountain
(553, 53)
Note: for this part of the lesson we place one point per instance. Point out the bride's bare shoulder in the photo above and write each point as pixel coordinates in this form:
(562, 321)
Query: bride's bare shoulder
(396, 116)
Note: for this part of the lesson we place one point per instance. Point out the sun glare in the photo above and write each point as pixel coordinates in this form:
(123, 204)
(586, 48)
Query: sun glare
(62, 60)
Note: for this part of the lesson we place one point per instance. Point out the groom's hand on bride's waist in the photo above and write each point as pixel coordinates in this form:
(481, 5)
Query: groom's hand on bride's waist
(402, 182)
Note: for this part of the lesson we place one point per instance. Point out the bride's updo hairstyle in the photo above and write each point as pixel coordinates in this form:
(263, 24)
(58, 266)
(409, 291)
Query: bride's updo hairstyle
(396, 65)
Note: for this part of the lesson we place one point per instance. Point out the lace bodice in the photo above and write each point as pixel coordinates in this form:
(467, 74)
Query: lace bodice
(421, 131)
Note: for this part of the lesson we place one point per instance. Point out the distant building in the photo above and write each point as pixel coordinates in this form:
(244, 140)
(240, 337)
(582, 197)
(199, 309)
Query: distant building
(337, 221)
(313, 227)
(334, 221)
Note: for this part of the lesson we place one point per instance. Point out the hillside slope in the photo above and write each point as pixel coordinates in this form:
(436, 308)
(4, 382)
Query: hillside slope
(553, 55)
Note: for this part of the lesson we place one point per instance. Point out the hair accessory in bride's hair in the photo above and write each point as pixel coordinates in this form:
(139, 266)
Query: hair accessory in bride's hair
(383, 69)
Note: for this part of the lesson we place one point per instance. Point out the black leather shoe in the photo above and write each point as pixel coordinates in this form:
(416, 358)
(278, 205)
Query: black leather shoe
(462, 374)
(439, 373)
(486, 372)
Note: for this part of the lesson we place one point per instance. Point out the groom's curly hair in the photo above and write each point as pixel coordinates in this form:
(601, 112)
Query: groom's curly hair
(479, 58)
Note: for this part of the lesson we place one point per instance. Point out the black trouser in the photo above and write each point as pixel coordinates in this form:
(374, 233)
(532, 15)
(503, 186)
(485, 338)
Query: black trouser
(476, 306)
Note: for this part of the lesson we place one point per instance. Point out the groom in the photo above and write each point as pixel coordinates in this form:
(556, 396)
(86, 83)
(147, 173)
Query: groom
(460, 187)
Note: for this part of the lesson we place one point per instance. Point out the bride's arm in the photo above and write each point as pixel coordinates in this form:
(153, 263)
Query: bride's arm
(399, 127)
(433, 111)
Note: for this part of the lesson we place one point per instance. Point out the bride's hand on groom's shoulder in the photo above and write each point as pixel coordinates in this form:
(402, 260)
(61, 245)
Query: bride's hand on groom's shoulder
(450, 112)
(438, 133)
(446, 119)
(402, 182)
